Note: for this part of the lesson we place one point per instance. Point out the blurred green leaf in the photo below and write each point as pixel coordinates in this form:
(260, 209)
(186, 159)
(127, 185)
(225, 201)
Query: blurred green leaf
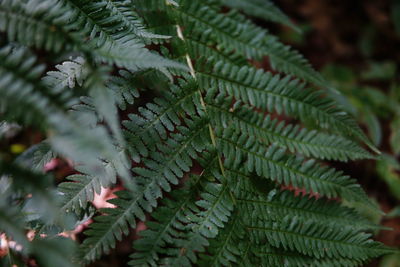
(387, 169)
(376, 96)
(379, 71)
(372, 214)
(395, 135)
(374, 127)
(54, 252)
(367, 40)
(394, 213)
(290, 36)
(395, 95)
(392, 260)
(339, 74)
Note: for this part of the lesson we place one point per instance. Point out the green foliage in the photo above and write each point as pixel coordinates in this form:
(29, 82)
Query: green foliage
(261, 9)
(160, 97)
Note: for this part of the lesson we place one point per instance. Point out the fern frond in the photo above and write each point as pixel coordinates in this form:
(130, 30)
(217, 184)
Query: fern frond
(266, 255)
(124, 16)
(291, 136)
(23, 23)
(115, 40)
(284, 59)
(263, 9)
(199, 45)
(78, 24)
(273, 163)
(234, 32)
(24, 180)
(171, 219)
(226, 248)
(102, 20)
(48, 252)
(276, 204)
(20, 87)
(162, 116)
(162, 232)
(220, 28)
(9, 223)
(54, 251)
(69, 74)
(316, 240)
(165, 230)
(174, 158)
(214, 155)
(107, 229)
(136, 58)
(124, 89)
(215, 210)
(186, 223)
(283, 95)
(78, 191)
(18, 84)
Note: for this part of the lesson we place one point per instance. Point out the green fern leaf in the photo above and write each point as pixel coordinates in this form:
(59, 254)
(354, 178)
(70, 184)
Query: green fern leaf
(273, 163)
(261, 9)
(325, 241)
(293, 137)
(271, 93)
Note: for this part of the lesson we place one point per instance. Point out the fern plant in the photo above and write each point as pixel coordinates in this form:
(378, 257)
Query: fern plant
(212, 151)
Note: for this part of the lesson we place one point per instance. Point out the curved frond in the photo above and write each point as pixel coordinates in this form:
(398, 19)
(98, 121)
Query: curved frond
(266, 255)
(316, 240)
(290, 136)
(277, 204)
(263, 9)
(275, 164)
